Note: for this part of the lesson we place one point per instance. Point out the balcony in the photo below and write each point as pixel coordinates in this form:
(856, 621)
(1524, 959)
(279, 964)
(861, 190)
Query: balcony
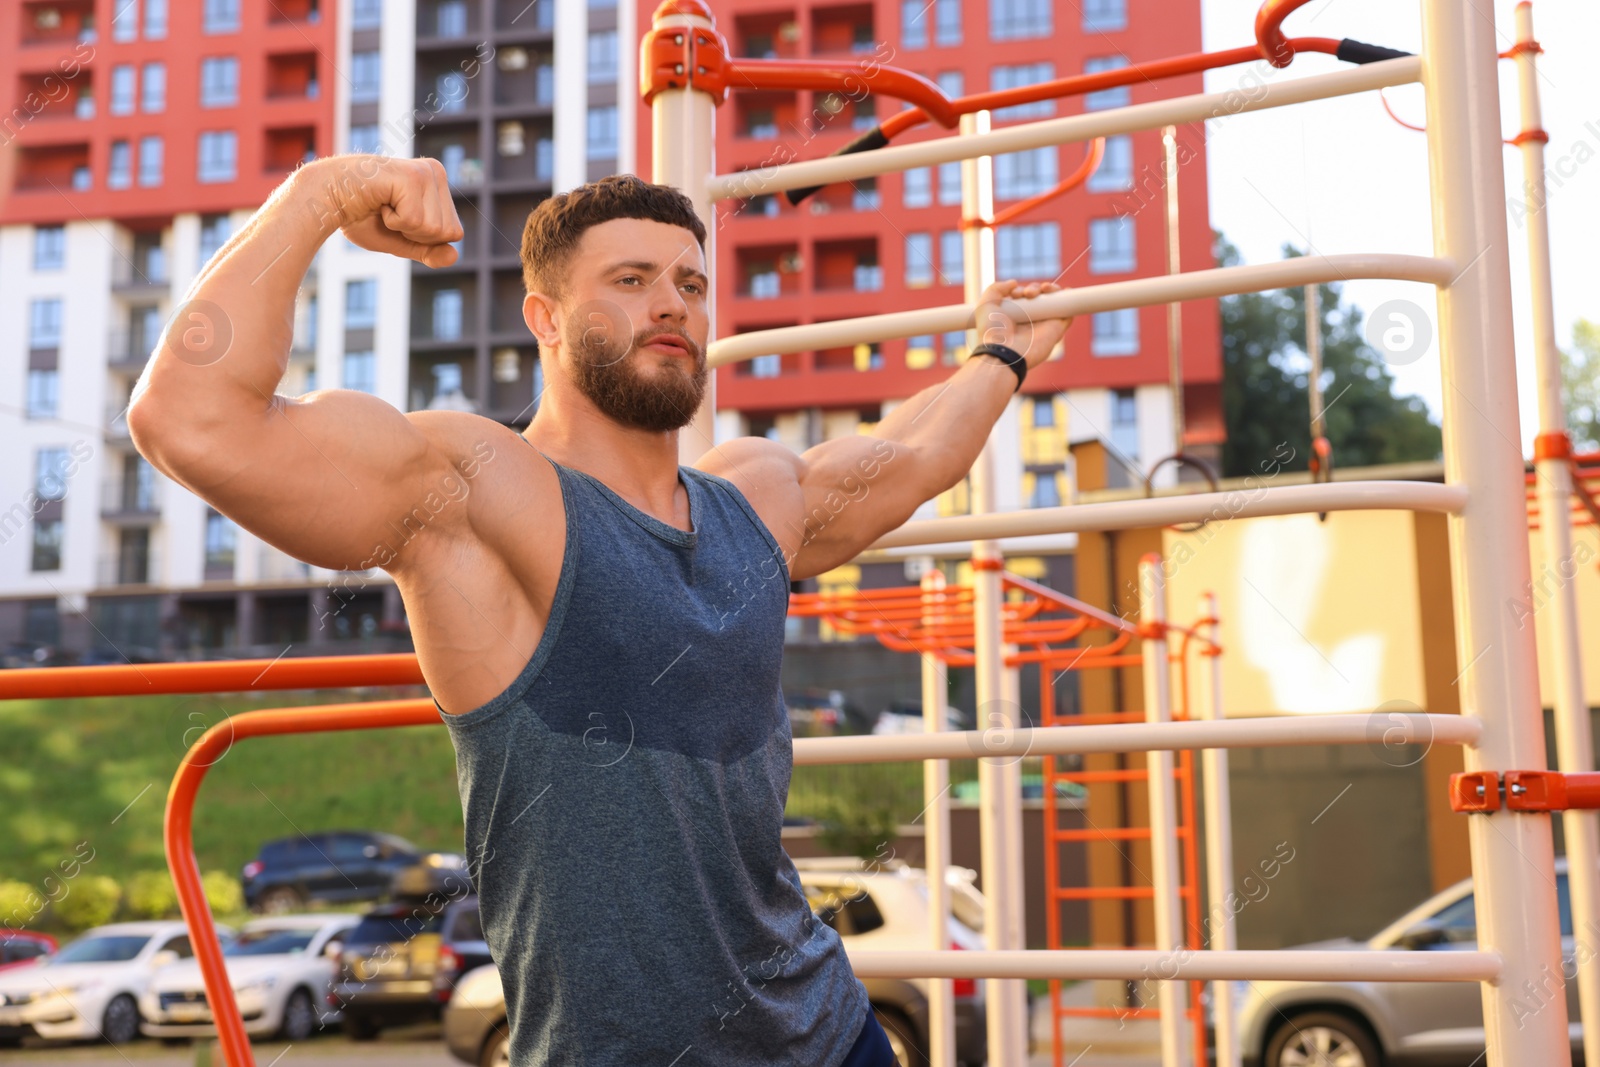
(769, 273)
(842, 30)
(56, 22)
(768, 35)
(288, 147)
(538, 17)
(292, 76)
(293, 13)
(129, 350)
(141, 272)
(275, 566)
(53, 168)
(448, 21)
(129, 567)
(849, 266)
(131, 500)
(117, 424)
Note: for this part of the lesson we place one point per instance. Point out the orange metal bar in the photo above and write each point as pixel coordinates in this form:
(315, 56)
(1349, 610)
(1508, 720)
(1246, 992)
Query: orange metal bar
(1090, 164)
(829, 76)
(178, 830)
(210, 676)
(1271, 43)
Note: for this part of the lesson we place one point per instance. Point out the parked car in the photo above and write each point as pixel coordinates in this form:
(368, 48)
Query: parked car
(332, 866)
(905, 717)
(815, 712)
(883, 908)
(21, 947)
(91, 988)
(401, 962)
(281, 970)
(1376, 1024)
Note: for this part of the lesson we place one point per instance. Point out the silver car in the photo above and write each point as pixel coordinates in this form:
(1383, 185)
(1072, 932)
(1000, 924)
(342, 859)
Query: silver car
(1386, 1024)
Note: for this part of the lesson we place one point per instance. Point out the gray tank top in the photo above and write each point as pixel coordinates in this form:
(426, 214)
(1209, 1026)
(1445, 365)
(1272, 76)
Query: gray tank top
(624, 800)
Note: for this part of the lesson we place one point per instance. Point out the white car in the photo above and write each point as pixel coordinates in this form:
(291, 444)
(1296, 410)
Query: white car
(280, 967)
(91, 988)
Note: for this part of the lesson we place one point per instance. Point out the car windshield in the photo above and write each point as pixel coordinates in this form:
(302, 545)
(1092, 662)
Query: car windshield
(106, 949)
(384, 929)
(279, 942)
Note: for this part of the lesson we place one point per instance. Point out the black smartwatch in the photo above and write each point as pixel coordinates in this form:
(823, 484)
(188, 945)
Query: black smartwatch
(1009, 356)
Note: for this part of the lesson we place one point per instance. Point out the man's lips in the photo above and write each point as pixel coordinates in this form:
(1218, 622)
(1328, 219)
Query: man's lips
(671, 343)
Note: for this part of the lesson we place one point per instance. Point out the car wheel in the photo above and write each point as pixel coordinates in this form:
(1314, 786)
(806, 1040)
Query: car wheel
(358, 1028)
(902, 1037)
(120, 1024)
(497, 1050)
(299, 1017)
(1323, 1039)
(280, 901)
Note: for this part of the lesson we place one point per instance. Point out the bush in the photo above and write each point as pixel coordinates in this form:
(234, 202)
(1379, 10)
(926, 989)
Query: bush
(151, 895)
(223, 893)
(20, 904)
(91, 900)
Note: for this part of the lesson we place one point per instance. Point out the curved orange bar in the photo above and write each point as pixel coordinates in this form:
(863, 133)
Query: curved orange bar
(830, 76)
(1090, 164)
(178, 829)
(218, 676)
(1273, 46)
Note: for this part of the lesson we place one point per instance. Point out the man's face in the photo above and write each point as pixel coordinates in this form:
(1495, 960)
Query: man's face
(635, 322)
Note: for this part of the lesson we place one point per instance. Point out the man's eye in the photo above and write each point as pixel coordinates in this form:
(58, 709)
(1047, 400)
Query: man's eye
(629, 278)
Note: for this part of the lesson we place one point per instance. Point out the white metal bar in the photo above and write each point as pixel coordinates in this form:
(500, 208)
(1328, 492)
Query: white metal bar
(1132, 737)
(1512, 855)
(1169, 149)
(1137, 292)
(1217, 802)
(1293, 965)
(1086, 127)
(936, 833)
(1171, 997)
(1197, 507)
(1574, 735)
(683, 124)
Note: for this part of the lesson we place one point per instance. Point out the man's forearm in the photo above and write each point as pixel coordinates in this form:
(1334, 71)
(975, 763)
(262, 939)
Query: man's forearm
(948, 423)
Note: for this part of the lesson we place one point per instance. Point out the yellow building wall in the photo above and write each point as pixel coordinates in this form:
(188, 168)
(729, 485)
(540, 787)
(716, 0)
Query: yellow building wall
(1537, 607)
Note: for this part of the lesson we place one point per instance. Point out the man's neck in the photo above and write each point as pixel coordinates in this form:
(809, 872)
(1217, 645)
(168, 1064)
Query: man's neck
(638, 464)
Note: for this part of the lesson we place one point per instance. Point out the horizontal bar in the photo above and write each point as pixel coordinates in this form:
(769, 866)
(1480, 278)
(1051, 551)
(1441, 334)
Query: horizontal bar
(1138, 737)
(1302, 965)
(1183, 109)
(1136, 292)
(1195, 507)
(211, 676)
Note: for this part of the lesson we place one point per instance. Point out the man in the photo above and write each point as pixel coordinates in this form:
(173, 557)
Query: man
(601, 628)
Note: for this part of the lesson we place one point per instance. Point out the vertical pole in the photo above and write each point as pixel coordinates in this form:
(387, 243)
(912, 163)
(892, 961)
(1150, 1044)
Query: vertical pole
(1512, 854)
(1169, 143)
(1574, 736)
(1219, 843)
(1170, 995)
(936, 833)
(1314, 350)
(999, 795)
(683, 127)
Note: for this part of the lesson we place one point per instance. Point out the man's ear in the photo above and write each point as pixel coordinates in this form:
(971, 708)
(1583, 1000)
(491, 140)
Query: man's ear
(542, 314)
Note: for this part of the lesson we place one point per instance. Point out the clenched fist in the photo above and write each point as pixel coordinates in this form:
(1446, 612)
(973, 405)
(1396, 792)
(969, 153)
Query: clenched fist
(384, 204)
(1034, 337)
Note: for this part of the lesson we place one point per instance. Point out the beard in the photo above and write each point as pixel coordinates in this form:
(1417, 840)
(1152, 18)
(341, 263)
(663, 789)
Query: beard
(606, 360)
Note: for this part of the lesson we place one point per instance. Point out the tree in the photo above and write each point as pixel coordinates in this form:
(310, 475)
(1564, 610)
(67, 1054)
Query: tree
(1580, 385)
(1265, 376)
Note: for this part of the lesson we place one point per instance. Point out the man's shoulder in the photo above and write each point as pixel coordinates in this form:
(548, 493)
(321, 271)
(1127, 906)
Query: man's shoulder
(467, 440)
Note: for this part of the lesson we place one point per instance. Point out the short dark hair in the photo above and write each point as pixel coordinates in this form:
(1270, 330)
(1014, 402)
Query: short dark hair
(554, 228)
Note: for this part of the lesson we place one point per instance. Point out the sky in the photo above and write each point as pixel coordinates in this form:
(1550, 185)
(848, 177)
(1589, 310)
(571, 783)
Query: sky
(1341, 176)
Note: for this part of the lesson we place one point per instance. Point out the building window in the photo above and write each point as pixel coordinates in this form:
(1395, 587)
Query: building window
(49, 473)
(151, 152)
(952, 83)
(1015, 77)
(603, 56)
(950, 182)
(919, 352)
(450, 18)
(46, 545)
(220, 541)
(366, 76)
(125, 20)
(49, 247)
(221, 16)
(219, 81)
(917, 187)
(914, 23)
(1125, 423)
(122, 82)
(155, 19)
(953, 347)
(153, 95)
(366, 14)
(761, 123)
(44, 393)
(219, 156)
(544, 159)
(119, 171)
(214, 233)
(361, 371)
(919, 260)
(1044, 412)
(1046, 490)
(868, 276)
(946, 22)
(1115, 173)
(602, 131)
(44, 323)
(1011, 20)
(952, 258)
(864, 114)
(366, 138)
(1111, 246)
(1119, 96)
(769, 366)
(1115, 333)
(1102, 16)
(1023, 174)
(447, 314)
(544, 85)
(1028, 251)
(863, 194)
(360, 303)
(449, 92)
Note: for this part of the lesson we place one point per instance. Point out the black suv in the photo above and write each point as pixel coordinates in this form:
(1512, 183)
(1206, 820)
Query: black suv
(401, 962)
(331, 866)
